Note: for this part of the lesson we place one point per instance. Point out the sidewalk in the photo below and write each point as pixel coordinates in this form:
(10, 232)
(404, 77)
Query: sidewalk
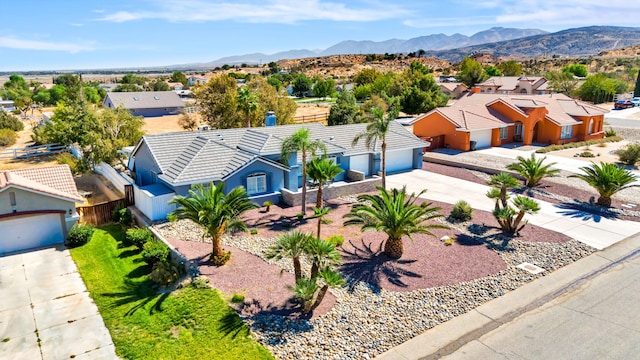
(587, 309)
(590, 229)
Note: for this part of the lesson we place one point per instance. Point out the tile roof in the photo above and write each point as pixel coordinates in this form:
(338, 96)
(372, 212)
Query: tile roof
(145, 99)
(510, 83)
(54, 180)
(215, 154)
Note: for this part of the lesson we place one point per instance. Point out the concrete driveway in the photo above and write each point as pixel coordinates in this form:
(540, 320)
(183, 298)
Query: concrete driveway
(590, 229)
(45, 309)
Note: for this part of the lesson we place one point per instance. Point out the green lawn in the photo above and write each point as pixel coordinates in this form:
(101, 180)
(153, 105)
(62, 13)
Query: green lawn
(186, 324)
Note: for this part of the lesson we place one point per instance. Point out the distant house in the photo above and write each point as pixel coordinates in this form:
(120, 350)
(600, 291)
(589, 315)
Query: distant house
(454, 89)
(37, 207)
(532, 85)
(484, 120)
(195, 80)
(7, 105)
(146, 103)
(108, 87)
(175, 85)
(173, 162)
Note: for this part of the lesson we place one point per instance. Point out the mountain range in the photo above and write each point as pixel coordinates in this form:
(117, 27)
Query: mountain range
(497, 41)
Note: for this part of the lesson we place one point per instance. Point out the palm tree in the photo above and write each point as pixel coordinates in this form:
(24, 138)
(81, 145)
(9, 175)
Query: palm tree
(331, 279)
(322, 170)
(501, 183)
(217, 212)
(395, 213)
(510, 218)
(607, 179)
(247, 103)
(532, 169)
(321, 254)
(377, 131)
(300, 141)
(319, 213)
(293, 245)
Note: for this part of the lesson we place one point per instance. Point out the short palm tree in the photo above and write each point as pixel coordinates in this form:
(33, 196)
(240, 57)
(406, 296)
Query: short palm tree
(322, 170)
(217, 212)
(306, 289)
(300, 141)
(397, 214)
(501, 183)
(321, 254)
(319, 213)
(509, 218)
(532, 169)
(247, 103)
(377, 130)
(607, 179)
(292, 244)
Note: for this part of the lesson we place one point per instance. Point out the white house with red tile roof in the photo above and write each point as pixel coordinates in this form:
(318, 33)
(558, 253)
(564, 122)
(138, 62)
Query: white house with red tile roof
(37, 207)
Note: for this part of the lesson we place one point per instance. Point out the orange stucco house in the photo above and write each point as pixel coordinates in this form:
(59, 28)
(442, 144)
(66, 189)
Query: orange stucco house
(480, 120)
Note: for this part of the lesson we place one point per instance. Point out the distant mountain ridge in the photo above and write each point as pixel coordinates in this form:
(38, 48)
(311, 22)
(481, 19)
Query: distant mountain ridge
(428, 42)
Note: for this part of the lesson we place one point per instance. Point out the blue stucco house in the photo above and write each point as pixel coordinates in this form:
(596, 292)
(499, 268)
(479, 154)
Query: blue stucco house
(250, 157)
(146, 103)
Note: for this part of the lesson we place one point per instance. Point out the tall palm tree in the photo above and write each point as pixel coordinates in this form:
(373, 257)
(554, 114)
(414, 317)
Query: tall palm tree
(607, 179)
(395, 213)
(300, 141)
(217, 212)
(247, 103)
(532, 169)
(319, 214)
(292, 244)
(377, 130)
(322, 170)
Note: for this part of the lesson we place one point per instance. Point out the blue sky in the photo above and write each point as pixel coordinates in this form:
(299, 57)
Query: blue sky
(48, 35)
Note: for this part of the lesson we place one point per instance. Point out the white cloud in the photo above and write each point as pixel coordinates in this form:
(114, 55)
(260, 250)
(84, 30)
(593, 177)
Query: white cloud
(273, 11)
(14, 43)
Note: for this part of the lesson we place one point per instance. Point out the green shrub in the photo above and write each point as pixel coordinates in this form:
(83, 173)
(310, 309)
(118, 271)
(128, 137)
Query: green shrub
(267, 205)
(587, 154)
(222, 259)
(237, 298)
(154, 251)
(300, 216)
(122, 216)
(630, 154)
(574, 145)
(200, 282)
(8, 121)
(164, 273)
(77, 167)
(335, 240)
(461, 211)
(610, 133)
(8, 137)
(254, 231)
(16, 112)
(79, 235)
(137, 237)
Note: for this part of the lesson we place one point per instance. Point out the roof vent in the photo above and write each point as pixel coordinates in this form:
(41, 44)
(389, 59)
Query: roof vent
(204, 127)
(135, 98)
(331, 138)
(156, 98)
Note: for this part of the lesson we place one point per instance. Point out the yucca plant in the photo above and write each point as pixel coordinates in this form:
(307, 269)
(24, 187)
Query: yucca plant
(607, 179)
(532, 169)
(397, 214)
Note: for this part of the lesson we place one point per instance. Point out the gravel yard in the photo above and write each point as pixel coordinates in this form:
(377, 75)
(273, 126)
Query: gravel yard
(386, 302)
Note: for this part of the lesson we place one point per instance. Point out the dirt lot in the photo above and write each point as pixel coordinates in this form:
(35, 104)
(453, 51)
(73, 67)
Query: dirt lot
(603, 152)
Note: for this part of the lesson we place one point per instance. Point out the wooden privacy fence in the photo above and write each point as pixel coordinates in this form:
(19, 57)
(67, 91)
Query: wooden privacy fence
(99, 214)
(311, 118)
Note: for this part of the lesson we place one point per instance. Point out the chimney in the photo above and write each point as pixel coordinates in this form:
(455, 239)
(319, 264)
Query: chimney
(270, 119)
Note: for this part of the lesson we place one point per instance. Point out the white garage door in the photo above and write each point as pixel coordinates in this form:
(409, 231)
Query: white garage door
(398, 160)
(360, 163)
(482, 138)
(30, 231)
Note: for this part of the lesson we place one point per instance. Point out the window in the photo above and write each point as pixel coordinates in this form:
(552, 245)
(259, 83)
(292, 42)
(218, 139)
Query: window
(567, 132)
(334, 159)
(518, 128)
(257, 183)
(12, 198)
(504, 132)
(591, 126)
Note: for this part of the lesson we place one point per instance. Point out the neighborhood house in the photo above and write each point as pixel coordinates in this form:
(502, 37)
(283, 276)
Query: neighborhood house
(523, 84)
(146, 103)
(482, 120)
(37, 207)
(172, 163)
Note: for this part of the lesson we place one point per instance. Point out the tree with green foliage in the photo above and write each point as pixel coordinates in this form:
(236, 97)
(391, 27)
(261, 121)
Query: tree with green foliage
(493, 71)
(395, 213)
(471, 72)
(419, 67)
(345, 110)
(366, 76)
(247, 103)
(578, 70)
(301, 141)
(322, 170)
(324, 88)
(377, 130)
(127, 88)
(8, 121)
(509, 217)
(275, 82)
(216, 211)
(290, 245)
(67, 80)
(158, 85)
(607, 179)
(510, 68)
(178, 76)
(270, 99)
(301, 85)
(598, 88)
(532, 169)
(217, 101)
(133, 79)
(636, 89)
(562, 82)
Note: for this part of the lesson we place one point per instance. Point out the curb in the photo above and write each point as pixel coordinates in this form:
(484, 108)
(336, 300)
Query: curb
(448, 337)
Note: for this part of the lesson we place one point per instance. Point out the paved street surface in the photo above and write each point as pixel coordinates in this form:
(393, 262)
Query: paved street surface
(44, 301)
(622, 118)
(598, 320)
(590, 229)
